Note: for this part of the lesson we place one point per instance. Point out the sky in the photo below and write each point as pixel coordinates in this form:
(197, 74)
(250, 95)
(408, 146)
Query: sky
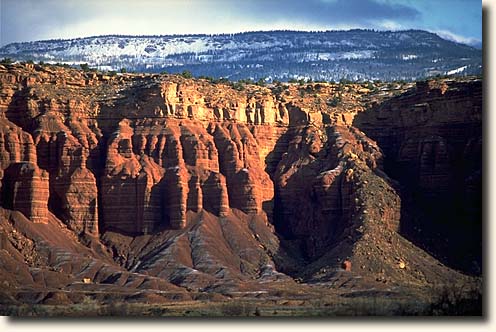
(28, 20)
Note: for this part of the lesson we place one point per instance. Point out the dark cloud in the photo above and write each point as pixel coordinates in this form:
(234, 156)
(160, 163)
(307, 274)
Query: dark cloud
(330, 12)
(24, 20)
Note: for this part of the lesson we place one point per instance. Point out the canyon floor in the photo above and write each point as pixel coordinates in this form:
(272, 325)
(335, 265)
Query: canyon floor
(160, 195)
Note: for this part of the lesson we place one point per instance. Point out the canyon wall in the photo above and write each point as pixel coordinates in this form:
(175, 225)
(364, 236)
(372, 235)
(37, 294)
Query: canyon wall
(432, 141)
(144, 149)
(139, 154)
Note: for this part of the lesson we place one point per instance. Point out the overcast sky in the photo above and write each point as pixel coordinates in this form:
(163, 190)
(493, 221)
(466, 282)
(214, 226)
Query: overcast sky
(27, 20)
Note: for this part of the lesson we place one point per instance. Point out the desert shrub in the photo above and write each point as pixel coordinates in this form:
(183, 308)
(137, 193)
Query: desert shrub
(65, 65)
(238, 309)
(116, 309)
(238, 86)
(345, 81)
(456, 300)
(208, 78)
(335, 101)
(186, 74)
(222, 80)
(6, 61)
(261, 82)
(84, 67)
(278, 89)
(158, 311)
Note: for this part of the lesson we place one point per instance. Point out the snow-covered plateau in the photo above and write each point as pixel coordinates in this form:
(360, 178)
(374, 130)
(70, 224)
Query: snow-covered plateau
(281, 55)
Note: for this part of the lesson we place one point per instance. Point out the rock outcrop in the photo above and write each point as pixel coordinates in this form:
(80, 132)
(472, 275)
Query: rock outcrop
(24, 186)
(167, 181)
(25, 189)
(316, 194)
(172, 163)
(432, 141)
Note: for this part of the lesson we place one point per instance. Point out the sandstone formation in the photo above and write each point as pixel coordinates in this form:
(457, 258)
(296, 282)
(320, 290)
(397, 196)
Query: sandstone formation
(316, 193)
(24, 185)
(432, 140)
(165, 183)
(25, 189)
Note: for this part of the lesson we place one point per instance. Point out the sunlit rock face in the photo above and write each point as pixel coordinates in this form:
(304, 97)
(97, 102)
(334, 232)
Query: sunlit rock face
(214, 177)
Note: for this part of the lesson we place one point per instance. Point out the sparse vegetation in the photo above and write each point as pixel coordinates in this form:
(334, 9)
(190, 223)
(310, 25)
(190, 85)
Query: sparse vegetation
(238, 309)
(186, 74)
(6, 61)
(345, 81)
(456, 300)
(208, 78)
(85, 67)
(66, 65)
(261, 82)
(247, 81)
(451, 302)
(279, 88)
(222, 80)
(335, 101)
(238, 86)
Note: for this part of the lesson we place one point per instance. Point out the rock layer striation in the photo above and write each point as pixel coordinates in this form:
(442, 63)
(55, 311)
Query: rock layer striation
(169, 182)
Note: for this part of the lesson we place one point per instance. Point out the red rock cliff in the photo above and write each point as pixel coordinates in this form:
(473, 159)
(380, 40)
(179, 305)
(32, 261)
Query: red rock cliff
(147, 152)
